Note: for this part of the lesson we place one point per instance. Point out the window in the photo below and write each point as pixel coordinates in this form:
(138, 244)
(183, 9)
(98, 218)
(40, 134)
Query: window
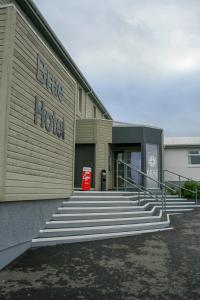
(80, 100)
(194, 157)
(94, 112)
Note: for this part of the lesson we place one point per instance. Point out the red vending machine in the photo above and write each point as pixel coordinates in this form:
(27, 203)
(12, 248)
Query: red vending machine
(86, 179)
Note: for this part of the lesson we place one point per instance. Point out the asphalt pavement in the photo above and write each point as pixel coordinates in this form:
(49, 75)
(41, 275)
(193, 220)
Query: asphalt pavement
(155, 266)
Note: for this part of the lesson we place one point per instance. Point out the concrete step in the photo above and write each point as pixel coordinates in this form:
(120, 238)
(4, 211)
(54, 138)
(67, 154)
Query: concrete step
(101, 222)
(72, 203)
(103, 193)
(173, 202)
(39, 242)
(101, 229)
(167, 199)
(178, 210)
(117, 198)
(103, 198)
(113, 193)
(95, 209)
(173, 205)
(111, 209)
(102, 215)
(113, 203)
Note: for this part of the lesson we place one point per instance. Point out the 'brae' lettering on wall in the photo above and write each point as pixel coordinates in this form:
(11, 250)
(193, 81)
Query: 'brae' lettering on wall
(48, 120)
(46, 78)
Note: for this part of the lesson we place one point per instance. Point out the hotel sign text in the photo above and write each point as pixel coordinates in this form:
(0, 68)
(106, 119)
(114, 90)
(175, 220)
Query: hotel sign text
(48, 80)
(48, 119)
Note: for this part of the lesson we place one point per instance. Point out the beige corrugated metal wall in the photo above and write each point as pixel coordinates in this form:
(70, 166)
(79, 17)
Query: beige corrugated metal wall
(37, 164)
(98, 132)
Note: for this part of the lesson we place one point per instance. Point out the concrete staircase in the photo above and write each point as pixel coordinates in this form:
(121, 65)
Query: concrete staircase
(88, 216)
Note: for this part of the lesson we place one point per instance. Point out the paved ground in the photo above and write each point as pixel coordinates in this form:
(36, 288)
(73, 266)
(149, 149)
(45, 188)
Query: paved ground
(152, 266)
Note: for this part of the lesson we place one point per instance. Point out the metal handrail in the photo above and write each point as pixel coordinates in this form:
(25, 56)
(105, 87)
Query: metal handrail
(139, 188)
(182, 187)
(145, 189)
(144, 174)
(142, 188)
(189, 179)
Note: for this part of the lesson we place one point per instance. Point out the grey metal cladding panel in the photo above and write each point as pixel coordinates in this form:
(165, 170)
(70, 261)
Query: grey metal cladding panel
(152, 135)
(137, 135)
(127, 135)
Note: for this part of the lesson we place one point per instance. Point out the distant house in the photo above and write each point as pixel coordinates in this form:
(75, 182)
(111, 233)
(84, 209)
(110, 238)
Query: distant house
(182, 156)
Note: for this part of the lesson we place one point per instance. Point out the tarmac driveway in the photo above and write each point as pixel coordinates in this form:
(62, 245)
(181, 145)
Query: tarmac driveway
(153, 266)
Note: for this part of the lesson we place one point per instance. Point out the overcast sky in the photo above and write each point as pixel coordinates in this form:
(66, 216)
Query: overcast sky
(141, 57)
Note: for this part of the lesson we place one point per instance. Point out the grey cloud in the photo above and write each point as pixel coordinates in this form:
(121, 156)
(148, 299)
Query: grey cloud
(142, 57)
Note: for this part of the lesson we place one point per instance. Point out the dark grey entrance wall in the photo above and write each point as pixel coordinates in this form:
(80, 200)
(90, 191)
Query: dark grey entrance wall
(20, 222)
(136, 134)
(127, 134)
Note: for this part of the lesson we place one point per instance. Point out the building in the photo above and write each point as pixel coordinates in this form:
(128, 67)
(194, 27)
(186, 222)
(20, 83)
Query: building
(182, 156)
(100, 143)
(52, 124)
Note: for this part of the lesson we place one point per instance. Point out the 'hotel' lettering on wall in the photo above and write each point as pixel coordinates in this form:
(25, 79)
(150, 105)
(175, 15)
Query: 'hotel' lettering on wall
(44, 117)
(48, 120)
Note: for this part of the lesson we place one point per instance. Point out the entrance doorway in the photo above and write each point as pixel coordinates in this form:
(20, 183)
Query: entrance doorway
(132, 157)
(84, 157)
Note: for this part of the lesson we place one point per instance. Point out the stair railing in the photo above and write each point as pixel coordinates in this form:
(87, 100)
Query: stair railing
(139, 190)
(129, 180)
(179, 185)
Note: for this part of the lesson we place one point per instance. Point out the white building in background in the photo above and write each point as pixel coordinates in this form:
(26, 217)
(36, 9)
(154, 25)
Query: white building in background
(182, 156)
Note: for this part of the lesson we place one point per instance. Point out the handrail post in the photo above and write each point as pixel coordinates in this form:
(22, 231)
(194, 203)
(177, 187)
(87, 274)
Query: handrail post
(163, 217)
(179, 186)
(196, 194)
(117, 176)
(126, 176)
(165, 212)
(163, 203)
(139, 197)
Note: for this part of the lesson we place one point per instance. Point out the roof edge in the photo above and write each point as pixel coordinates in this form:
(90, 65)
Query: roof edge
(35, 16)
(125, 124)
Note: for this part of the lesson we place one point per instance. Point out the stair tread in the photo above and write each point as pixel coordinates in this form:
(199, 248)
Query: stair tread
(172, 203)
(177, 205)
(179, 209)
(103, 201)
(101, 196)
(85, 236)
(101, 207)
(104, 213)
(102, 227)
(101, 220)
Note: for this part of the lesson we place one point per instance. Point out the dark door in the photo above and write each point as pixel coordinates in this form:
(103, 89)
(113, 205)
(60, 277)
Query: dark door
(84, 157)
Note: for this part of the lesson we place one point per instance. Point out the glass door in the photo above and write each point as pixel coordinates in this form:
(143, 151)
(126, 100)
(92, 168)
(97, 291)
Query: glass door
(119, 155)
(134, 159)
(130, 157)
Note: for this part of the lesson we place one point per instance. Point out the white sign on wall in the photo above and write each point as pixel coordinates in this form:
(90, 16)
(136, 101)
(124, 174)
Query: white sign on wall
(152, 166)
